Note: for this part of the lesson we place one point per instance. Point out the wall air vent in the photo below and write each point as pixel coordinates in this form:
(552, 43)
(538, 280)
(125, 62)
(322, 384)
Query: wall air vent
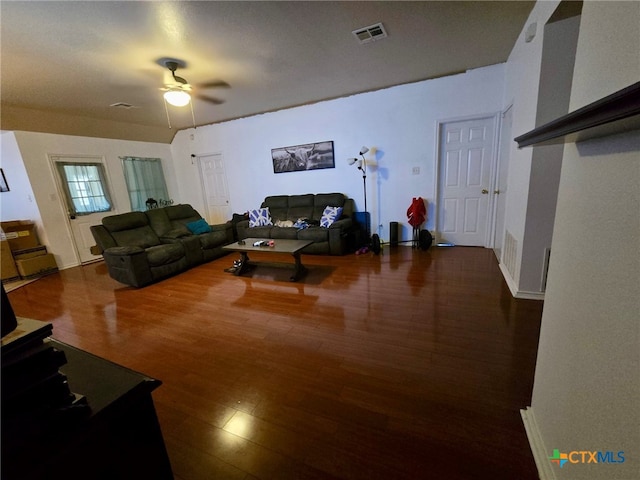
(370, 34)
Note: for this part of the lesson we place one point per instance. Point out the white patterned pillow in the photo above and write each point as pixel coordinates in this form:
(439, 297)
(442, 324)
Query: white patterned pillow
(330, 215)
(259, 217)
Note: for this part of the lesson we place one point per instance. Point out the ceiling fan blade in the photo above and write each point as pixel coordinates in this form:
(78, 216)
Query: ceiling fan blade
(216, 101)
(214, 84)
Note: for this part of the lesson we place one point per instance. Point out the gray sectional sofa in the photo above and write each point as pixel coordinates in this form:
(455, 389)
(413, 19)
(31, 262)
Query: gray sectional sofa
(142, 247)
(289, 209)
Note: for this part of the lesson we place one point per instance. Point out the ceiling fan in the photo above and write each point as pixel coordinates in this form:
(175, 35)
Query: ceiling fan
(179, 92)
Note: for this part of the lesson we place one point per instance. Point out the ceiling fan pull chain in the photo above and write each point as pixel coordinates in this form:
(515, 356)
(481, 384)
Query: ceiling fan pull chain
(166, 109)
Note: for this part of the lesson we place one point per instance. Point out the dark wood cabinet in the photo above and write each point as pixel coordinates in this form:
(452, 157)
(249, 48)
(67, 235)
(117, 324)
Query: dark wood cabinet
(116, 435)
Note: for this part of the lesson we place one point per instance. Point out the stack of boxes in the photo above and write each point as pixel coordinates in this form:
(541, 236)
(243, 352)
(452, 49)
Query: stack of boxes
(22, 256)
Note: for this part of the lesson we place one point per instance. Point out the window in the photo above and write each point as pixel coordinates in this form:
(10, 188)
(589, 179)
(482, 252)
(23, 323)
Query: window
(84, 185)
(145, 182)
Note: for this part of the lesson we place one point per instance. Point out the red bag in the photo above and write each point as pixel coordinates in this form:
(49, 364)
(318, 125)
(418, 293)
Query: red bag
(417, 212)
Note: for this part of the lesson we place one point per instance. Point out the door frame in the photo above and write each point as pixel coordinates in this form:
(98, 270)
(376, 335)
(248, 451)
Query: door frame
(55, 157)
(203, 188)
(495, 116)
(500, 164)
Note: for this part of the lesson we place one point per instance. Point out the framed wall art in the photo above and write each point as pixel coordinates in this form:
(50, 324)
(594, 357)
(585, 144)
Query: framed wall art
(4, 186)
(311, 156)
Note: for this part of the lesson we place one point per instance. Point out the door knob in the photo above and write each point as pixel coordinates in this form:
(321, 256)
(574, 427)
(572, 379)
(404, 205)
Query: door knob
(496, 192)
(485, 191)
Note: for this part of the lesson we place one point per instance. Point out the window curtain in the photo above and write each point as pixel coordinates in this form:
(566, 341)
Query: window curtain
(145, 181)
(85, 187)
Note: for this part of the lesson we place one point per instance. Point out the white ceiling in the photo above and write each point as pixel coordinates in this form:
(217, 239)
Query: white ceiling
(64, 63)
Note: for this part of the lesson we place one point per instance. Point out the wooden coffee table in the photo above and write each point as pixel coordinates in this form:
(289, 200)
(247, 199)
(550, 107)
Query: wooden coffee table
(292, 247)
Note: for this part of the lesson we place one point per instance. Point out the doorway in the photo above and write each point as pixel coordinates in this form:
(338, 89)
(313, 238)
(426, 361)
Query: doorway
(215, 188)
(466, 156)
(83, 185)
(500, 188)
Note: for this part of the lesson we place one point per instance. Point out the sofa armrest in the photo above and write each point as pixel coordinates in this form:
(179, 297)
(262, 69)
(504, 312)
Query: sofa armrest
(338, 236)
(341, 224)
(128, 265)
(102, 237)
(242, 228)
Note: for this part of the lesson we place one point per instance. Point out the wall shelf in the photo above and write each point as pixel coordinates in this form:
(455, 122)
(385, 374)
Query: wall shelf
(615, 113)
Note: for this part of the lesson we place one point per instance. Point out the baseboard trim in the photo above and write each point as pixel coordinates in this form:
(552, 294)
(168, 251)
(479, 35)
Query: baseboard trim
(514, 288)
(545, 472)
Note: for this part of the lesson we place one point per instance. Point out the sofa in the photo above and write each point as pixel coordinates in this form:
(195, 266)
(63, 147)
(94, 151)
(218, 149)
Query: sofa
(140, 248)
(303, 217)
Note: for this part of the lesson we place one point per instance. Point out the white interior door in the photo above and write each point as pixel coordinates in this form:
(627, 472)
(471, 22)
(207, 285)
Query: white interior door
(85, 188)
(465, 158)
(500, 190)
(216, 190)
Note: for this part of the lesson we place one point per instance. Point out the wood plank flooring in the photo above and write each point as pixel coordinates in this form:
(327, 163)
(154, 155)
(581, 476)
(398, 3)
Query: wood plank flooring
(406, 365)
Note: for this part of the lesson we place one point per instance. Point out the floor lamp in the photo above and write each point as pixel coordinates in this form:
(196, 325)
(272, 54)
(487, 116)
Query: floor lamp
(362, 166)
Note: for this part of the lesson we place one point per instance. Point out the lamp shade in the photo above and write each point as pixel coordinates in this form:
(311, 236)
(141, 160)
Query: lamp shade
(177, 98)
(364, 150)
(351, 161)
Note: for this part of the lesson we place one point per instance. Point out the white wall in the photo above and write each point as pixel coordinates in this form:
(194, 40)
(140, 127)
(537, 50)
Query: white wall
(19, 202)
(400, 122)
(586, 393)
(558, 59)
(522, 82)
(34, 149)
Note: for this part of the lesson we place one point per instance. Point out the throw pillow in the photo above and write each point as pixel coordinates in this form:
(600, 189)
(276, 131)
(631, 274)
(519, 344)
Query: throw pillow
(259, 217)
(199, 226)
(330, 215)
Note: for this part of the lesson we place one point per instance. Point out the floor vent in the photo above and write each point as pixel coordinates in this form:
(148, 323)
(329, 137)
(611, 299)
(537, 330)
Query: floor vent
(370, 34)
(510, 253)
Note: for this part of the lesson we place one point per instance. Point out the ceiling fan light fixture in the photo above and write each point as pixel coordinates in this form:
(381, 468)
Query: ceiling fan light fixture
(177, 98)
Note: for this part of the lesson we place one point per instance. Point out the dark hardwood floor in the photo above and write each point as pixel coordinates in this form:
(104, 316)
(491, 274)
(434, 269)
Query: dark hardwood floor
(407, 365)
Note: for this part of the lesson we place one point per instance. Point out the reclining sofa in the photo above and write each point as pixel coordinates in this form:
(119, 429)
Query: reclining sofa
(301, 217)
(140, 248)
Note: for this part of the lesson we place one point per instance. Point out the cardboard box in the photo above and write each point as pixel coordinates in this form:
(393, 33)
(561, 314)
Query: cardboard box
(20, 234)
(8, 269)
(29, 252)
(37, 266)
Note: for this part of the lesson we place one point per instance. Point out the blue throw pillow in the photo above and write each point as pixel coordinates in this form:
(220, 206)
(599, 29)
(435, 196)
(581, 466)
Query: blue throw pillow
(199, 226)
(330, 215)
(259, 217)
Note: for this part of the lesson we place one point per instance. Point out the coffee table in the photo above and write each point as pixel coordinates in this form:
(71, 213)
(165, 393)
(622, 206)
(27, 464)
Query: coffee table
(292, 247)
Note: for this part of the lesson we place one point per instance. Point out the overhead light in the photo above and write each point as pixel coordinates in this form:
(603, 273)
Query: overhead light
(177, 98)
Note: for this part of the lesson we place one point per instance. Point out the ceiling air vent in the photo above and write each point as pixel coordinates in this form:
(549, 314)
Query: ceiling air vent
(122, 105)
(370, 34)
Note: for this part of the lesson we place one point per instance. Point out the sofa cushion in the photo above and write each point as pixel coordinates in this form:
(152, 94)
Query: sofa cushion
(321, 200)
(260, 217)
(183, 212)
(213, 239)
(315, 234)
(125, 221)
(330, 215)
(289, 233)
(164, 254)
(131, 229)
(260, 232)
(199, 226)
(177, 233)
(159, 221)
(278, 206)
